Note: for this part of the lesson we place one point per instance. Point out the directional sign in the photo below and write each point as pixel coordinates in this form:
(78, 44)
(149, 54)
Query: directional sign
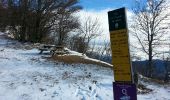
(124, 91)
(120, 45)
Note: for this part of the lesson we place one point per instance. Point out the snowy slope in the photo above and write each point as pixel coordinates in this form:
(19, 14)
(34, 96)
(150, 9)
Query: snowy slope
(27, 75)
(161, 91)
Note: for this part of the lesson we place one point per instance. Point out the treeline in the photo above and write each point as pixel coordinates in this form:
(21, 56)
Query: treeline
(39, 20)
(161, 69)
(53, 22)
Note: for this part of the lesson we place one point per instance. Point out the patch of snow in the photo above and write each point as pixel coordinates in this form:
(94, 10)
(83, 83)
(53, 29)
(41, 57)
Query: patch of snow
(74, 52)
(27, 75)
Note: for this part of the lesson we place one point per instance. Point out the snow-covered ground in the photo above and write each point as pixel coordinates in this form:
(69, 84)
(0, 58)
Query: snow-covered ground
(160, 91)
(27, 75)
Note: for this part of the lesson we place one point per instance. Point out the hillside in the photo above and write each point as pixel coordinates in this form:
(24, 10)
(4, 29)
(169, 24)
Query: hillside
(27, 75)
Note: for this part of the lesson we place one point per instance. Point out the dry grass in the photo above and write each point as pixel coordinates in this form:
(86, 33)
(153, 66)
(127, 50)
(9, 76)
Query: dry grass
(79, 59)
(143, 89)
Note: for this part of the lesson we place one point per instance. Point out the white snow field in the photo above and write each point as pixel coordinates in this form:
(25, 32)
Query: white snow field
(28, 75)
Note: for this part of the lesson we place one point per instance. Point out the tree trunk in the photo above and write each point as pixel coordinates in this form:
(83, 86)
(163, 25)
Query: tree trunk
(37, 33)
(61, 32)
(150, 69)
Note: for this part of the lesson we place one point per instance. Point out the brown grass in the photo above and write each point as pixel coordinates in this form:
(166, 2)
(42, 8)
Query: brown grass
(80, 59)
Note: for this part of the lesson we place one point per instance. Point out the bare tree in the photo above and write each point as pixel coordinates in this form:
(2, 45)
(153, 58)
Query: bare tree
(65, 22)
(89, 30)
(33, 20)
(150, 26)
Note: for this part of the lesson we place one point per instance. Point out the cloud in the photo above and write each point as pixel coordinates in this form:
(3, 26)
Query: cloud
(102, 17)
(103, 20)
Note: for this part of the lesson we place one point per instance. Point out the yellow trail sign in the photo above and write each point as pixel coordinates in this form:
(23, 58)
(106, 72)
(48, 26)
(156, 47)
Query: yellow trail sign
(120, 55)
(120, 45)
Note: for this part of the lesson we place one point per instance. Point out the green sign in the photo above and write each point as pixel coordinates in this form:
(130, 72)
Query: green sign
(117, 19)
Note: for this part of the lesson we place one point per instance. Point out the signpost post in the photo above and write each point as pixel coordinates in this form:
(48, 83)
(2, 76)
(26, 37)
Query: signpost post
(120, 54)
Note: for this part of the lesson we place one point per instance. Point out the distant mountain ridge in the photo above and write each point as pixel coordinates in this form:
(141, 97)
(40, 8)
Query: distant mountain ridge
(159, 70)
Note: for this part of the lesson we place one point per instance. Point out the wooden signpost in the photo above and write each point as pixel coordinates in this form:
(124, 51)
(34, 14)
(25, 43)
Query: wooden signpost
(120, 54)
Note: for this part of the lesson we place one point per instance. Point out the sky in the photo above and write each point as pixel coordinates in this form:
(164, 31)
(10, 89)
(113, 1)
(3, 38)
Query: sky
(105, 4)
(99, 9)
